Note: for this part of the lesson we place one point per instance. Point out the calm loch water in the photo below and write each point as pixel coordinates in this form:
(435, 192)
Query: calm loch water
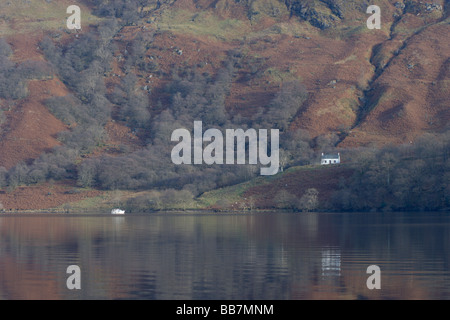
(214, 256)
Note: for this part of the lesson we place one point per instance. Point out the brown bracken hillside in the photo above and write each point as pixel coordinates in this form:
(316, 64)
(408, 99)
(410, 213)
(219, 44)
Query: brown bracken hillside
(371, 87)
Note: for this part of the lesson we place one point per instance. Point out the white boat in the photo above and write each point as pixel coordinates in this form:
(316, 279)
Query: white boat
(117, 211)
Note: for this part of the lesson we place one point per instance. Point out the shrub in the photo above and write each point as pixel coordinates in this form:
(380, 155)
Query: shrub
(309, 201)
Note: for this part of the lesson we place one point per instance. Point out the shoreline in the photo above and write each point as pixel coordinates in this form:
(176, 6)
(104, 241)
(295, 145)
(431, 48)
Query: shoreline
(200, 211)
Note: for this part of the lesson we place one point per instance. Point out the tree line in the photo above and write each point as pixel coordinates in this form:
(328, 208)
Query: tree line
(412, 177)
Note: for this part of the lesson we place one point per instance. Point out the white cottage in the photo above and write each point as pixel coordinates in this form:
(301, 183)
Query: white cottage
(333, 158)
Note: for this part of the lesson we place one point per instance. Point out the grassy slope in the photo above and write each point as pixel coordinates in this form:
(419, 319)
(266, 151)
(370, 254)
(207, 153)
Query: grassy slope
(261, 192)
(21, 17)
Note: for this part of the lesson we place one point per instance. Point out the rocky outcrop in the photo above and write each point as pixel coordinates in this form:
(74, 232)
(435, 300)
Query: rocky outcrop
(311, 11)
(336, 6)
(416, 7)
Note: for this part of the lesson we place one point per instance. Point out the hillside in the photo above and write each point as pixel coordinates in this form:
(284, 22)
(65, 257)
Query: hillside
(101, 113)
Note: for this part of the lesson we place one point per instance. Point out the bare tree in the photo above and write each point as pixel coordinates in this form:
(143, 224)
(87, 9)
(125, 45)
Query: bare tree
(285, 200)
(310, 200)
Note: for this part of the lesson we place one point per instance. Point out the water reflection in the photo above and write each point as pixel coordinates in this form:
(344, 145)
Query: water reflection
(261, 256)
(331, 262)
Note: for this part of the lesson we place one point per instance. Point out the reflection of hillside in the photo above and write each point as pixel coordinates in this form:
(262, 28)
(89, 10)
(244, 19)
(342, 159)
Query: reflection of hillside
(265, 256)
(22, 280)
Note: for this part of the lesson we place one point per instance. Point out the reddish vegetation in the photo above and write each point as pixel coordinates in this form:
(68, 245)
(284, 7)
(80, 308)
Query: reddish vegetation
(413, 91)
(43, 196)
(26, 47)
(32, 129)
(325, 181)
(120, 135)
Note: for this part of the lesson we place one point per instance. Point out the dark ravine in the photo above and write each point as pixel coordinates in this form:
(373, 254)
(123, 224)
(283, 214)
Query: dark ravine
(368, 95)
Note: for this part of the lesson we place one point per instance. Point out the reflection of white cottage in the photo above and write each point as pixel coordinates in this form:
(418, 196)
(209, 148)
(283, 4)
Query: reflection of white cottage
(331, 262)
(332, 158)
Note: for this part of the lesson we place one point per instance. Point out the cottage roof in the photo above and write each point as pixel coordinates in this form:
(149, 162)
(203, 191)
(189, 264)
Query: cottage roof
(332, 156)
